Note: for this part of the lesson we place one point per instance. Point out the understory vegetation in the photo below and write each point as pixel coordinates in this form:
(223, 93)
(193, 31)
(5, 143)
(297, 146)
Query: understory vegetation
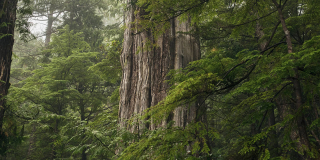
(256, 86)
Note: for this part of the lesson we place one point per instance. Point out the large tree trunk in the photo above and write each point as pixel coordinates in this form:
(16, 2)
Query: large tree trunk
(145, 68)
(7, 23)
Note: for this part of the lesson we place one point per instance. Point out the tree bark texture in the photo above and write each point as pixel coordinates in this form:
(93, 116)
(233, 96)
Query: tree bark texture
(145, 68)
(7, 24)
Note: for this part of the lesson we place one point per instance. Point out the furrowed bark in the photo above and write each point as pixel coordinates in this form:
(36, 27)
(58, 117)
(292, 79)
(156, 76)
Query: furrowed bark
(145, 68)
(7, 24)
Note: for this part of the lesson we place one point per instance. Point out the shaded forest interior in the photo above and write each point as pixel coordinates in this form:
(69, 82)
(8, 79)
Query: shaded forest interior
(159, 79)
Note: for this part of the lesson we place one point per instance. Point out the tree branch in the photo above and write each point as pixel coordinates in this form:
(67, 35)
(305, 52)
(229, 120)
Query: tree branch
(237, 25)
(103, 144)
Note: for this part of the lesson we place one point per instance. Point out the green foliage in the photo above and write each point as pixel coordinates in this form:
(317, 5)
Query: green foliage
(109, 67)
(24, 11)
(238, 82)
(172, 143)
(82, 17)
(69, 102)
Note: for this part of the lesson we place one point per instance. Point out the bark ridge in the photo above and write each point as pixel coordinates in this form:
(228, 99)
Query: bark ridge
(145, 68)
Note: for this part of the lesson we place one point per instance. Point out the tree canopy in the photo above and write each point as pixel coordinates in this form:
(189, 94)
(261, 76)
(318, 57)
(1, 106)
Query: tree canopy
(255, 87)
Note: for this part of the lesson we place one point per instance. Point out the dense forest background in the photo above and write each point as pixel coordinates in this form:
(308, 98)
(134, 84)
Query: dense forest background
(160, 79)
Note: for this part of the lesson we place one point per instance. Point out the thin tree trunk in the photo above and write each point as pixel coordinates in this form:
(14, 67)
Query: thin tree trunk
(83, 155)
(82, 113)
(273, 144)
(49, 27)
(82, 118)
(8, 17)
(56, 131)
(303, 136)
(32, 142)
(312, 132)
(315, 108)
(145, 68)
(273, 141)
(284, 110)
